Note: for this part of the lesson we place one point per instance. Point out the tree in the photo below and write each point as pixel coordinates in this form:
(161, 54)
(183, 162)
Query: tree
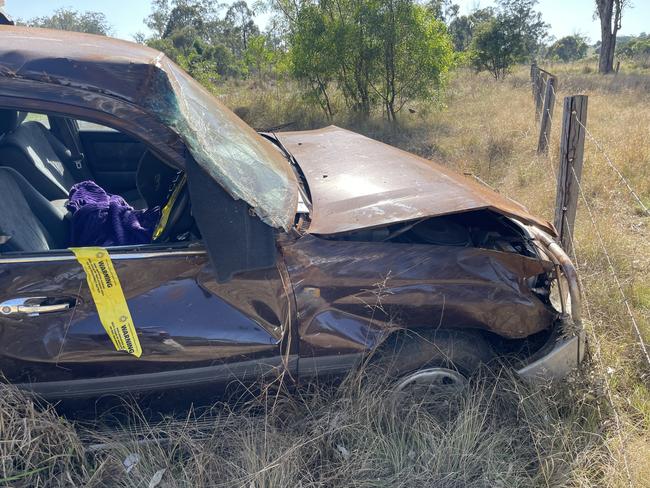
(610, 13)
(462, 29)
(352, 50)
(416, 52)
(312, 42)
(515, 35)
(167, 17)
(569, 48)
(379, 52)
(493, 49)
(524, 24)
(73, 20)
(258, 56)
(205, 62)
(637, 48)
(192, 34)
(444, 10)
(239, 26)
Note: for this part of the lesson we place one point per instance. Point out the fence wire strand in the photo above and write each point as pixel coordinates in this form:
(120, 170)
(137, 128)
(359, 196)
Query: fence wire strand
(548, 143)
(610, 263)
(614, 167)
(599, 361)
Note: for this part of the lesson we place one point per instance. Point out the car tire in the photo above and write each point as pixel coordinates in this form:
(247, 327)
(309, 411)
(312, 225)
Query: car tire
(445, 357)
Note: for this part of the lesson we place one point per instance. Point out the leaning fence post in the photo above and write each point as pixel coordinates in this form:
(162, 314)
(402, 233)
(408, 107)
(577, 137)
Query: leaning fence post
(547, 115)
(574, 121)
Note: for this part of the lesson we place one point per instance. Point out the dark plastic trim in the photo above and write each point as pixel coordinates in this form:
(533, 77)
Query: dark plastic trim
(132, 384)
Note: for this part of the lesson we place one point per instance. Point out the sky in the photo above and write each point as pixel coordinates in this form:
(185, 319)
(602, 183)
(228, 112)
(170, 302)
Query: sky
(569, 17)
(566, 17)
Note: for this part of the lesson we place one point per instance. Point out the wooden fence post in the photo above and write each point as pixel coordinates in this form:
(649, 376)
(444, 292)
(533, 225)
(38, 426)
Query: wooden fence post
(539, 92)
(547, 115)
(574, 121)
(533, 79)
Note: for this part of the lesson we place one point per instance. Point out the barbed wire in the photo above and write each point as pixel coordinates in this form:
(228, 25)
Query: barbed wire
(591, 330)
(599, 358)
(550, 162)
(635, 325)
(613, 166)
(540, 97)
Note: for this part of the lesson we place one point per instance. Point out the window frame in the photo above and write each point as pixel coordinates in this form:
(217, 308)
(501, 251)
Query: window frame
(131, 118)
(160, 140)
(117, 114)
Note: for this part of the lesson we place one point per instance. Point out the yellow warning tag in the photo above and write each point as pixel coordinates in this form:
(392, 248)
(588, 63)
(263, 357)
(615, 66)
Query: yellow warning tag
(109, 299)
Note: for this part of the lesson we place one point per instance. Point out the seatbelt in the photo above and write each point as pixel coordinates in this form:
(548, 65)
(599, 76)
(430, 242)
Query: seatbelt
(67, 131)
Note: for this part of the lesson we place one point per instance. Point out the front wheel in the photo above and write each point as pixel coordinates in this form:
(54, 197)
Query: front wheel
(438, 361)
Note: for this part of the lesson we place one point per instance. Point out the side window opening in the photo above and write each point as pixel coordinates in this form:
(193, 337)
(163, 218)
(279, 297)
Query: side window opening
(92, 126)
(55, 192)
(40, 118)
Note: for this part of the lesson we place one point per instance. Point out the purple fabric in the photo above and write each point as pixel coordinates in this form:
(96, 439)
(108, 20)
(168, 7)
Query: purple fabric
(102, 219)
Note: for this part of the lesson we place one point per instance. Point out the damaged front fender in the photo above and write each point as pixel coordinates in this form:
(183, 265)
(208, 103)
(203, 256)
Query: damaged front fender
(566, 348)
(414, 286)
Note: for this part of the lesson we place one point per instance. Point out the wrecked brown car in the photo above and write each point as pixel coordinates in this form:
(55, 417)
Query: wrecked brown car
(292, 253)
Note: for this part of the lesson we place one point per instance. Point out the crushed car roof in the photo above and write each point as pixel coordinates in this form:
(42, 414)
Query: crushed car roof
(357, 182)
(95, 63)
(240, 160)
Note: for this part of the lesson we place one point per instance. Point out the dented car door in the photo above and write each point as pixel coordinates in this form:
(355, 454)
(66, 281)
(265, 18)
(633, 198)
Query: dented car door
(192, 330)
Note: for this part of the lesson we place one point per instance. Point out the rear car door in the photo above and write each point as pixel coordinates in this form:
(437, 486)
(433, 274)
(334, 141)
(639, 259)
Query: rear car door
(193, 330)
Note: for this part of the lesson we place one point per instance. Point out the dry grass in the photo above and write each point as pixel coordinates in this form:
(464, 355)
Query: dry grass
(36, 446)
(489, 129)
(499, 432)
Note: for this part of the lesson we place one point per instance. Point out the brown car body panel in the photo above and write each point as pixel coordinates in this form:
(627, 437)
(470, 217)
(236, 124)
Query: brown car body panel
(350, 295)
(324, 298)
(184, 318)
(357, 182)
(93, 63)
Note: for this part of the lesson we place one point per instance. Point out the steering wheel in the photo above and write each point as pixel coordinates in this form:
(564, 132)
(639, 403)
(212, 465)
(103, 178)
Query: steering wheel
(173, 211)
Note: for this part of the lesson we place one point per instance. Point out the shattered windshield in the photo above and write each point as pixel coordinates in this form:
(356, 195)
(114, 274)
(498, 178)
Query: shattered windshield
(246, 165)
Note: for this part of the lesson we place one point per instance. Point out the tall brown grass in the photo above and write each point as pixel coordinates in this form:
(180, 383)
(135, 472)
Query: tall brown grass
(498, 432)
(592, 430)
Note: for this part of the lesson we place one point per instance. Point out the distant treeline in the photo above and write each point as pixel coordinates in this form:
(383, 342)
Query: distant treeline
(375, 54)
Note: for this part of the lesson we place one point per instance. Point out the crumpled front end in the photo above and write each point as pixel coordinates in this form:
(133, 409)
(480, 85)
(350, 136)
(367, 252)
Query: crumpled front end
(567, 346)
(480, 271)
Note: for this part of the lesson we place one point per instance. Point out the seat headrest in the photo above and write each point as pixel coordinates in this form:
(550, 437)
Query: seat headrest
(9, 120)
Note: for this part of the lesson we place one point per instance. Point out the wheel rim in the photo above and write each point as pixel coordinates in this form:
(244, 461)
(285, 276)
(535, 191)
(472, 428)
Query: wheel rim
(433, 380)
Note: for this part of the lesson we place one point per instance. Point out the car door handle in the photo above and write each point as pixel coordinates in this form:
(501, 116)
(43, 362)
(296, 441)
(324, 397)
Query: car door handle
(34, 306)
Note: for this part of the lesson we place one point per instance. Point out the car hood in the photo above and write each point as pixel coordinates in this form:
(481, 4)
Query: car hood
(357, 182)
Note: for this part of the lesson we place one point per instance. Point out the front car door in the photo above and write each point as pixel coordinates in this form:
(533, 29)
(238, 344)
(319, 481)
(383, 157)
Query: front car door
(206, 314)
(193, 330)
